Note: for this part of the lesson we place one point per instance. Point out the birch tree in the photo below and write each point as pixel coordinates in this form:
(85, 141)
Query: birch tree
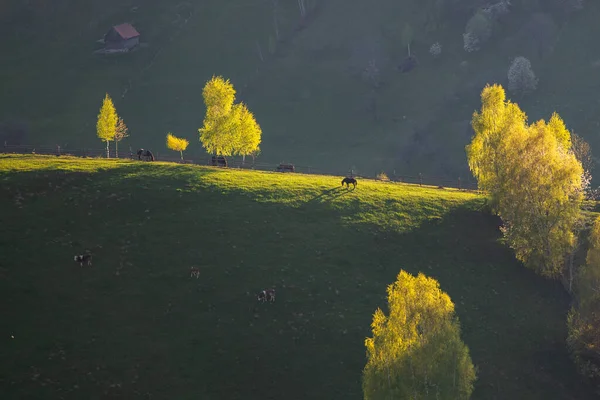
(106, 126)
(584, 319)
(121, 132)
(416, 351)
(177, 144)
(229, 129)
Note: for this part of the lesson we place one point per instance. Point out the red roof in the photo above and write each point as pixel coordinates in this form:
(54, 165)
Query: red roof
(126, 31)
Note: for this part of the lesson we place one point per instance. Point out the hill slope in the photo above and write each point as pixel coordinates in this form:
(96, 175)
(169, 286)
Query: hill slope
(308, 97)
(136, 325)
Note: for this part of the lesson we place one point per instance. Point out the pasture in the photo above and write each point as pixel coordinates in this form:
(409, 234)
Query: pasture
(135, 325)
(309, 97)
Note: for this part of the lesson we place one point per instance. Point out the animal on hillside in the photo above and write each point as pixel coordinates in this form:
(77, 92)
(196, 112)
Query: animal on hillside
(266, 295)
(194, 271)
(83, 258)
(147, 154)
(219, 161)
(349, 181)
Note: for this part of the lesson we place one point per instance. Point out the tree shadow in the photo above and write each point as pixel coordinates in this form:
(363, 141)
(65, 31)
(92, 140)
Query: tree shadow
(330, 272)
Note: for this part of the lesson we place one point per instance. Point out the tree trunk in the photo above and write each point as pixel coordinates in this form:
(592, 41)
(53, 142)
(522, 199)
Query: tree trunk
(243, 159)
(408, 45)
(107, 149)
(276, 19)
(260, 54)
(181, 154)
(116, 148)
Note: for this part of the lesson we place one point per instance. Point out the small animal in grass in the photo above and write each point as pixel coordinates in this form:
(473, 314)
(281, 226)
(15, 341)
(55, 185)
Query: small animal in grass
(83, 258)
(266, 295)
(348, 182)
(195, 272)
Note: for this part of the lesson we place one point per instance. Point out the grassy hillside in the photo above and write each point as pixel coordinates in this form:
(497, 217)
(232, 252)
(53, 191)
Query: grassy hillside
(135, 325)
(308, 97)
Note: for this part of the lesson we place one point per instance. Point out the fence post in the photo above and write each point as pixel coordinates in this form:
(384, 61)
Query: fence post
(420, 179)
(58, 150)
(459, 186)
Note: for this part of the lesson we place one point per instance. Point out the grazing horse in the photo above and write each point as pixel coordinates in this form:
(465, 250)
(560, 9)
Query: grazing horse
(83, 258)
(147, 154)
(266, 295)
(194, 271)
(219, 161)
(349, 181)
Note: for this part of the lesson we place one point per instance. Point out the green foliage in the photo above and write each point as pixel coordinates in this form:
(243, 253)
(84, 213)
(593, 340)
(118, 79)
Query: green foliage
(228, 128)
(535, 182)
(318, 319)
(584, 319)
(106, 126)
(416, 351)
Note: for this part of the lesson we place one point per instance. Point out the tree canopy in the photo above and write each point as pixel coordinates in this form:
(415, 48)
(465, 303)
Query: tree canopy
(533, 178)
(416, 351)
(229, 129)
(106, 126)
(584, 318)
(177, 144)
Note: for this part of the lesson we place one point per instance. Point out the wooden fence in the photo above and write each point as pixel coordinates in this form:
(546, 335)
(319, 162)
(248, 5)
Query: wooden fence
(237, 163)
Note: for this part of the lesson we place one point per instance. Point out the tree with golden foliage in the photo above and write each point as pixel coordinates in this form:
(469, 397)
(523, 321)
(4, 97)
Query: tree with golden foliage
(177, 144)
(106, 126)
(416, 351)
(543, 204)
(248, 133)
(584, 319)
(534, 180)
(229, 129)
(121, 133)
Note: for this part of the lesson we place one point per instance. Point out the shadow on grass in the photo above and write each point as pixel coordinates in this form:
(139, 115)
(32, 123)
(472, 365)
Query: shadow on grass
(136, 317)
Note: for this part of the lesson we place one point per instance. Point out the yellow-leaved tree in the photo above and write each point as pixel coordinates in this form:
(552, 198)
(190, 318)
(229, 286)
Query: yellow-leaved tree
(584, 319)
(542, 204)
(121, 132)
(177, 144)
(248, 135)
(497, 126)
(416, 351)
(106, 126)
(229, 129)
(533, 178)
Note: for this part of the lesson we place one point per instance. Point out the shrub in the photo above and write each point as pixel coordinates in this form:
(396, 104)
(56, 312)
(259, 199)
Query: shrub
(477, 32)
(382, 176)
(497, 10)
(435, 50)
(521, 78)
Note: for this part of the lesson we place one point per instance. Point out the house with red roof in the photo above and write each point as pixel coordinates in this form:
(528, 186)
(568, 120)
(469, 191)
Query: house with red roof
(122, 37)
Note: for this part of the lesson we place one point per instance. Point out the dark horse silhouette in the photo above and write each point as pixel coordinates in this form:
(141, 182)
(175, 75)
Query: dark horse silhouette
(349, 181)
(147, 154)
(219, 161)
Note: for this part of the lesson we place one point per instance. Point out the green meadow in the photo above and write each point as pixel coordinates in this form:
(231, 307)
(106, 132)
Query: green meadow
(136, 325)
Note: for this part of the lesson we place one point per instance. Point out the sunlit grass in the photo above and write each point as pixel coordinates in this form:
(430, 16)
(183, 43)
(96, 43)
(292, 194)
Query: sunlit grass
(136, 322)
